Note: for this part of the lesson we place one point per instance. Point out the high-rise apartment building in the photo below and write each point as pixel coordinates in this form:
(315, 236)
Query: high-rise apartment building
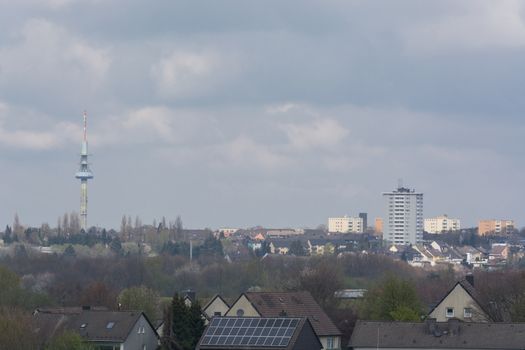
(486, 227)
(364, 216)
(403, 220)
(378, 226)
(441, 224)
(345, 224)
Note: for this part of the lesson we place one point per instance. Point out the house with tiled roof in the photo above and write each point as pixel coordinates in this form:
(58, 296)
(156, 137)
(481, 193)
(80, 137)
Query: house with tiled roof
(499, 253)
(216, 306)
(289, 304)
(453, 334)
(461, 302)
(473, 256)
(108, 330)
(259, 333)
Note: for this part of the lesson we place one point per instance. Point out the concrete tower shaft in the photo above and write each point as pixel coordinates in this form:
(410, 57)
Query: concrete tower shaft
(84, 174)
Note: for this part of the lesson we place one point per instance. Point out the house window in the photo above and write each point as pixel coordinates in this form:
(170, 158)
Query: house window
(240, 312)
(217, 313)
(330, 343)
(467, 312)
(449, 312)
(141, 330)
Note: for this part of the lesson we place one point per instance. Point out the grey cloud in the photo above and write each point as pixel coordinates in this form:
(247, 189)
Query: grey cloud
(276, 113)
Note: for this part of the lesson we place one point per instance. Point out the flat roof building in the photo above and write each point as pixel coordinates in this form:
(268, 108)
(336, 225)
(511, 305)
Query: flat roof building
(441, 224)
(403, 216)
(486, 227)
(346, 224)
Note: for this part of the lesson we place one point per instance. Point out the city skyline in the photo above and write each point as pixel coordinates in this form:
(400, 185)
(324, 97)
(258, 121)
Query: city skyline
(279, 116)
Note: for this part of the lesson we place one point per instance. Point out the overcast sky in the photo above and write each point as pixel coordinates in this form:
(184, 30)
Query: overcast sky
(274, 113)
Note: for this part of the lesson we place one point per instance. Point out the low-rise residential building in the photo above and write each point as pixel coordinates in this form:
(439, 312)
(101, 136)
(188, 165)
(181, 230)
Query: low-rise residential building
(430, 334)
(227, 232)
(350, 293)
(104, 329)
(286, 333)
(280, 246)
(461, 302)
(289, 304)
(472, 256)
(499, 252)
(492, 226)
(283, 233)
(345, 224)
(441, 224)
(216, 307)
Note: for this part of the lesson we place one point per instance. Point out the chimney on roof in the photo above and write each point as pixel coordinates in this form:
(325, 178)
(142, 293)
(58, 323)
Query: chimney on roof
(470, 279)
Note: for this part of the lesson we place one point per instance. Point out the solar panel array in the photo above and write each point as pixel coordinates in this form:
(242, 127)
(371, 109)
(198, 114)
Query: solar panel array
(248, 331)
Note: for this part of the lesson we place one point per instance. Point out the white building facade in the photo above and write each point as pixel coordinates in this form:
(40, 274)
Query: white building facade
(345, 224)
(403, 223)
(441, 224)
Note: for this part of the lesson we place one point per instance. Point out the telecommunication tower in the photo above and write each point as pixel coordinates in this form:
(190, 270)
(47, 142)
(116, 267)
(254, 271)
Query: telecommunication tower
(84, 174)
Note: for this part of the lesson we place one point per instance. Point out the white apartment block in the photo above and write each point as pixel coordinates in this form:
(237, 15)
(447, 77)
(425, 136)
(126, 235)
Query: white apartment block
(441, 224)
(403, 223)
(345, 224)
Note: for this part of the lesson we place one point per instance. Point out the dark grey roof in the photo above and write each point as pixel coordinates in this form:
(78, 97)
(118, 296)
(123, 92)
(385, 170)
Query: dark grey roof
(96, 322)
(444, 335)
(258, 333)
(90, 324)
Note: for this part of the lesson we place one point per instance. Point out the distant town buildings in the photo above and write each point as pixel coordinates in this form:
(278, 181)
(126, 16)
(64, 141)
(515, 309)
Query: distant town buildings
(495, 227)
(227, 232)
(364, 216)
(378, 226)
(441, 224)
(403, 216)
(346, 224)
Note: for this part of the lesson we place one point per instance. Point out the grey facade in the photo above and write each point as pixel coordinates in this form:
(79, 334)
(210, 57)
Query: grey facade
(403, 211)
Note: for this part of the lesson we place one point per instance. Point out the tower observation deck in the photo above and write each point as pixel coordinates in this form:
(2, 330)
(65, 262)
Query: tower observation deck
(84, 174)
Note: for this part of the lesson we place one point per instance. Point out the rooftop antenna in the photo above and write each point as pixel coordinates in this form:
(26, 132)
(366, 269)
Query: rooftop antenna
(85, 126)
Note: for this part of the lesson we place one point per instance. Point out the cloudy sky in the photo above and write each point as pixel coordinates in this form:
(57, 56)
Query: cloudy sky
(274, 113)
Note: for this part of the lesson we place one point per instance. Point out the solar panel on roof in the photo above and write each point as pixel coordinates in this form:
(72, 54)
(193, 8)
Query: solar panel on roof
(256, 332)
